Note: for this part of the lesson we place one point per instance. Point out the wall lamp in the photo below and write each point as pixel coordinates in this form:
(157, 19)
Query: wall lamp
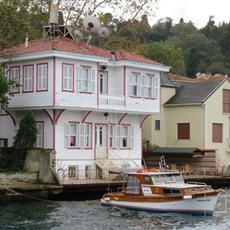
(106, 114)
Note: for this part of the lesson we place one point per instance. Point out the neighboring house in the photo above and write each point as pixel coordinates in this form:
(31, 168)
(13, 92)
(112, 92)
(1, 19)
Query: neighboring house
(89, 103)
(197, 116)
(154, 129)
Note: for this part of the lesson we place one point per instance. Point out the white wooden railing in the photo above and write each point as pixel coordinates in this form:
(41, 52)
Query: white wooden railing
(117, 101)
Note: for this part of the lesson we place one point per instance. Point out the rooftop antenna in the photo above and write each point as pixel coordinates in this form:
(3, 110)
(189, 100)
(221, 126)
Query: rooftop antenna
(92, 25)
(54, 30)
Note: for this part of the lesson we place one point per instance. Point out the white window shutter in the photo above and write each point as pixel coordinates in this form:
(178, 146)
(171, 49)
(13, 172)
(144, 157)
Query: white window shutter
(117, 137)
(76, 78)
(112, 136)
(131, 137)
(93, 80)
(143, 82)
(67, 135)
(82, 135)
(130, 84)
(156, 86)
(79, 78)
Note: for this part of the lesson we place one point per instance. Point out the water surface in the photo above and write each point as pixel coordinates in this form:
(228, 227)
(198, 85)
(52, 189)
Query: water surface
(87, 215)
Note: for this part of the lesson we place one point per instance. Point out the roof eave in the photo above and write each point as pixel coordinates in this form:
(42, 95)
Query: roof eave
(53, 53)
(210, 94)
(184, 104)
(141, 65)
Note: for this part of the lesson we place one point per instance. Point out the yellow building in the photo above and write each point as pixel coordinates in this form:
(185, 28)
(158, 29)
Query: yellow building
(195, 114)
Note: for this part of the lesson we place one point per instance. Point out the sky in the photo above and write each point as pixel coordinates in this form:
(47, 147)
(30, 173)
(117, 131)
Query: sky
(197, 11)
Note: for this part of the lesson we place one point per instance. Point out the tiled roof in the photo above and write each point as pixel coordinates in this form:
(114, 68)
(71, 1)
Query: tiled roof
(71, 46)
(60, 44)
(124, 55)
(194, 92)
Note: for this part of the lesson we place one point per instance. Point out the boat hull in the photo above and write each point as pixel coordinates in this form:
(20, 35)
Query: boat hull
(201, 205)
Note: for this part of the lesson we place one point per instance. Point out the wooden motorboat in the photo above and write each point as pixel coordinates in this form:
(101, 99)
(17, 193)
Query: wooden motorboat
(163, 190)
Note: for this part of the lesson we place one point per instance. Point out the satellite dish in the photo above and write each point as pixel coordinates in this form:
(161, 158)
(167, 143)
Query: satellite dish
(91, 23)
(103, 32)
(77, 34)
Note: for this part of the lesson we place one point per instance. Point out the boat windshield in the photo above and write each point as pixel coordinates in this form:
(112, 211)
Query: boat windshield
(133, 185)
(167, 178)
(178, 178)
(158, 179)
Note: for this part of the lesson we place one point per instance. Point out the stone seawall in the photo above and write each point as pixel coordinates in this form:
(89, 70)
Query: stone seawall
(22, 177)
(25, 186)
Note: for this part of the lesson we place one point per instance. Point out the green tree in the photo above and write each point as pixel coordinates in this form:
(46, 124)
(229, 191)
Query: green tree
(198, 51)
(133, 9)
(18, 18)
(166, 54)
(4, 85)
(183, 29)
(161, 30)
(26, 135)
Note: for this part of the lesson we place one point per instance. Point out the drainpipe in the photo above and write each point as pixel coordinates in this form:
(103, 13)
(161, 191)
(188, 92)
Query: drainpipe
(205, 124)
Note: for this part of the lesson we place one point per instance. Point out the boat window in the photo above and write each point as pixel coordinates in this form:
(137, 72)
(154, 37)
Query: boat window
(147, 180)
(133, 185)
(169, 178)
(178, 178)
(158, 179)
(171, 191)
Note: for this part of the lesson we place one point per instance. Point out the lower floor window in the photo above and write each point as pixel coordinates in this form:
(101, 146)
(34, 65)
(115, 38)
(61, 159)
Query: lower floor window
(121, 136)
(78, 135)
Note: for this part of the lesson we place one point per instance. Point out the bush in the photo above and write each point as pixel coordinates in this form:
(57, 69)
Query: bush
(12, 160)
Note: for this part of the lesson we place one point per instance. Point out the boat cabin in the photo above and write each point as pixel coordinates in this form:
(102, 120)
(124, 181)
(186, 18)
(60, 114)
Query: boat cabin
(161, 183)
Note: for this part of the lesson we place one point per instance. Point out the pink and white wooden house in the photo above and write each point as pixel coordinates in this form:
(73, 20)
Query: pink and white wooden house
(89, 103)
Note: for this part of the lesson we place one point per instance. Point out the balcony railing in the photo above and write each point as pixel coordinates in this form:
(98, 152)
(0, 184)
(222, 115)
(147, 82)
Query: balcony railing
(109, 100)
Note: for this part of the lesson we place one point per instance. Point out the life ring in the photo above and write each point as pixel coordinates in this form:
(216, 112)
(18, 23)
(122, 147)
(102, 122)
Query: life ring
(147, 170)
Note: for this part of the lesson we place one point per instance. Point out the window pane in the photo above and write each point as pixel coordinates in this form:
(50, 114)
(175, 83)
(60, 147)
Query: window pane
(39, 135)
(14, 76)
(28, 78)
(135, 84)
(42, 77)
(85, 79)
(68, 77)
(133, 185)
(226, 101)
(157, 125)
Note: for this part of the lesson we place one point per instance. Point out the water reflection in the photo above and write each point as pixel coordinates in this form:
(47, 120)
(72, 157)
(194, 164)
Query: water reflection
(87, 215)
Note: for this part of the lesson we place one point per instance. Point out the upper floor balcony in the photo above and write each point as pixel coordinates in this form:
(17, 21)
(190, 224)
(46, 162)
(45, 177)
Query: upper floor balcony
(128, 104)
